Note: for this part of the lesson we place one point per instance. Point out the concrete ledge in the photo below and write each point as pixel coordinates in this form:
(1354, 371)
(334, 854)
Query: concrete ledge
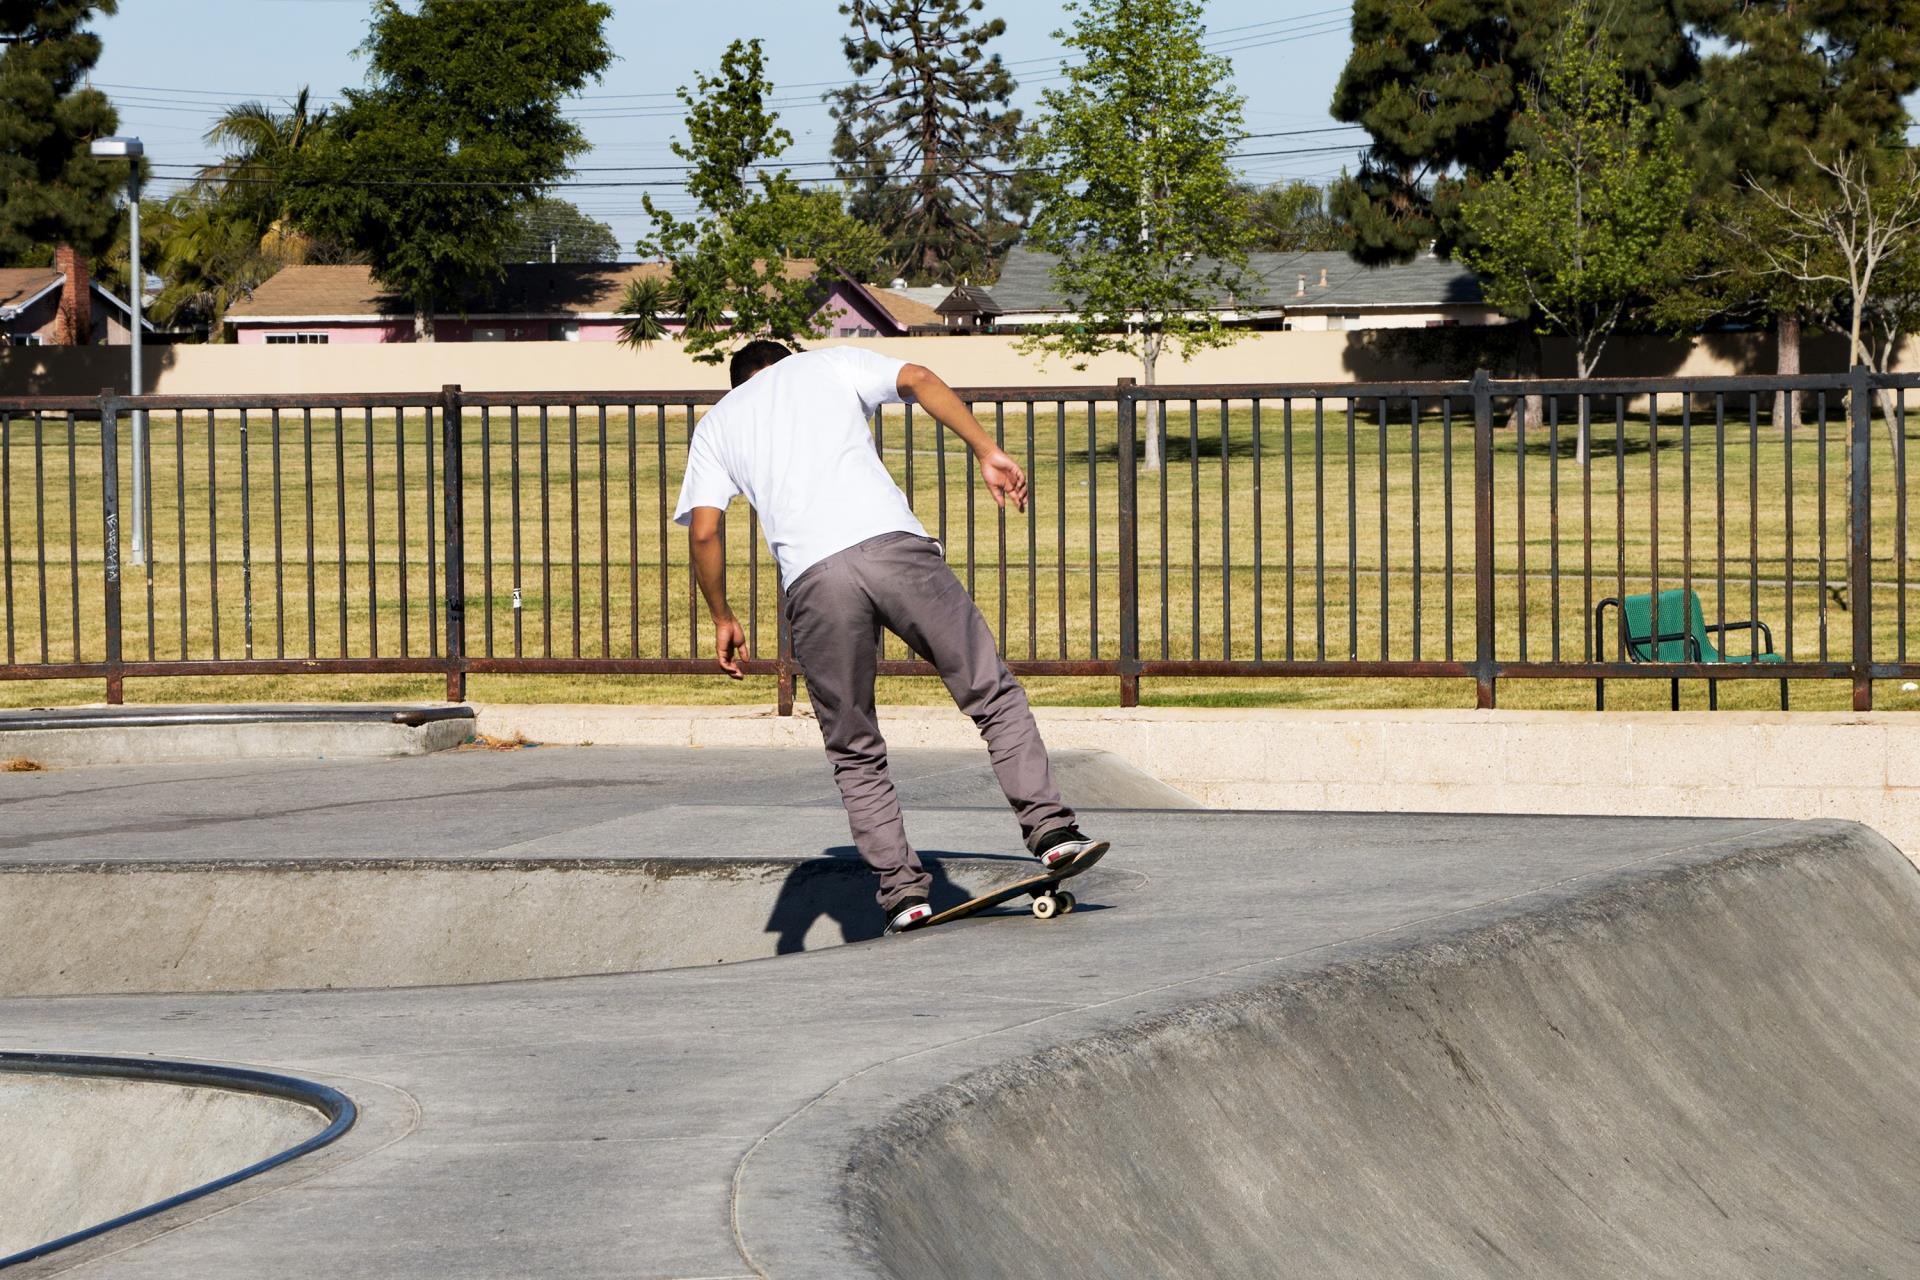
(67, 737)
(1865, 767)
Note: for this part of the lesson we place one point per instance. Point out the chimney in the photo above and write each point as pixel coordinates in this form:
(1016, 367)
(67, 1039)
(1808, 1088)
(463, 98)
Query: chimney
(1301, 291)
(73, 327)
(1323, 277)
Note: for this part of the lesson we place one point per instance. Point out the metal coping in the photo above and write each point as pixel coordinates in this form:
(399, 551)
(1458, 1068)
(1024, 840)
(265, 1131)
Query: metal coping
(166, 717)
(337, 1107)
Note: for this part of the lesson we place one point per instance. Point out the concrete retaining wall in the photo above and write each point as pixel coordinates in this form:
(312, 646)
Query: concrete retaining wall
(1865, 767)
(222, 926)
(156, 744)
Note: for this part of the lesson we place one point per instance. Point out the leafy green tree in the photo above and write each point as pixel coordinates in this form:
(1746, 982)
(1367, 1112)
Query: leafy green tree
(1787, 76)
(927, 143)
(1571, 231)
(425, 169)
(51, 190)
(1440, 86)
(1137, 197)
(731, 131)
(1293, 217)
(548, 228)
(750, 265)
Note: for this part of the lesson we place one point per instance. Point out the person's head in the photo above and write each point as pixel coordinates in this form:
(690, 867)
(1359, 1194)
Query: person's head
(755, 356)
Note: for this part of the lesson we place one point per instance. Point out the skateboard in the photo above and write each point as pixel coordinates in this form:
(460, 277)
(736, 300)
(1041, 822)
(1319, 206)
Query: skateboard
(1048, 901)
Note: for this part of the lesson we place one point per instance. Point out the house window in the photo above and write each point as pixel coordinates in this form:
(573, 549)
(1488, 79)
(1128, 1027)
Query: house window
(489, 334)
(869, 333)
(564, 331)
(26, 340)
(295, 339)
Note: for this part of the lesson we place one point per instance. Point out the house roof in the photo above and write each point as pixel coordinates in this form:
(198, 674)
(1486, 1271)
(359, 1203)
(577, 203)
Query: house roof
(929, 295)
(1026, 283)
(907, 311)
(969, 300)
(20, 287)
(535, 288)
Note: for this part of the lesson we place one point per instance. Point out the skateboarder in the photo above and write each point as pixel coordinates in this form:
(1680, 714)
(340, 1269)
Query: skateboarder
(792, 436)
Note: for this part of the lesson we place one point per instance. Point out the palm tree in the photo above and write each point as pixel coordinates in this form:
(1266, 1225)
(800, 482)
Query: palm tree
(646, 303)
(261, 146)
(229, 231)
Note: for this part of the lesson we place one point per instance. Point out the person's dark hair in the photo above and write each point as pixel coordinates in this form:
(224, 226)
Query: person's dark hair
(754, 357)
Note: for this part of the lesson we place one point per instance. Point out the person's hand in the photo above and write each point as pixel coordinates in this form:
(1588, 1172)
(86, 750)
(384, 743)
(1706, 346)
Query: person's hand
(1004, 479)
(729, 644)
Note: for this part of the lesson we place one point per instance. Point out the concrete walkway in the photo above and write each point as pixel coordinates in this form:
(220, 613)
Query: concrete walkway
(706, 1122)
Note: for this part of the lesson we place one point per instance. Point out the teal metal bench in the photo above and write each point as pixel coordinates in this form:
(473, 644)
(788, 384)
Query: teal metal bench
(1685, 636)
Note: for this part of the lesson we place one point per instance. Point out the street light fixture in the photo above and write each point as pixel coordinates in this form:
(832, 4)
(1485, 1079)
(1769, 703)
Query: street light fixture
(131, 150)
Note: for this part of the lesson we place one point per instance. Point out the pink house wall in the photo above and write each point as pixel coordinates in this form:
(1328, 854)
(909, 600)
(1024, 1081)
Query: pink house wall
(844, 314)
(256, 335)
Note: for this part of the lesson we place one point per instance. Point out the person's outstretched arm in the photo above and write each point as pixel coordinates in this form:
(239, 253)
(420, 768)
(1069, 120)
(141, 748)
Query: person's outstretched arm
(1002, 474)
(709, 566)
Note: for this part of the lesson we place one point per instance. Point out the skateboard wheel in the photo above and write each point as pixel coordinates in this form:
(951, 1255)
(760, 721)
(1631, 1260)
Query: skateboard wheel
(1067, 902)
(1046, 907)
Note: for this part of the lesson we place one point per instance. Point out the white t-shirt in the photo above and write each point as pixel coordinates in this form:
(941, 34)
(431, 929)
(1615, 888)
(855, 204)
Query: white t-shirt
(795, 440)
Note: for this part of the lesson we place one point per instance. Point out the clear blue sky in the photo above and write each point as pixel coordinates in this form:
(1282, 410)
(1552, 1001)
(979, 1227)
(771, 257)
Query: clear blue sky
(171, 67)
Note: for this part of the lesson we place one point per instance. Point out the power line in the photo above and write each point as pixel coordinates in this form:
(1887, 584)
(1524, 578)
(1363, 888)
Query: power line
(600, 184)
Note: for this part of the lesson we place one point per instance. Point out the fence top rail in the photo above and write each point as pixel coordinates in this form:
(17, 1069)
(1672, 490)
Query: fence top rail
(1757, 384)
(50, 404)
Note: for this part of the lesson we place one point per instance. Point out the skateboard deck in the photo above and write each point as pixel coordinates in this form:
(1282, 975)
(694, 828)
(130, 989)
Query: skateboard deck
(1048, 901)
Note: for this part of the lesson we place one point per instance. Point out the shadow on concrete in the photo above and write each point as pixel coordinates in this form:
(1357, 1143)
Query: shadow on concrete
(840, 887)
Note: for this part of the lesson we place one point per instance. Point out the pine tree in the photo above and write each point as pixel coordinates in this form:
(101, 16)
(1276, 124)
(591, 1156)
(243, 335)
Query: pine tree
(927, 144)
(51, 190)
(1441, 86)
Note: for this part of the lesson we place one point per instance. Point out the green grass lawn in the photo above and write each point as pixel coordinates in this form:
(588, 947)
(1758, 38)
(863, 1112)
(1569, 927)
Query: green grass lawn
(318, 561)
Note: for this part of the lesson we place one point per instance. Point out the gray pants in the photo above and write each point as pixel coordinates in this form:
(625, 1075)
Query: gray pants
(835, 611)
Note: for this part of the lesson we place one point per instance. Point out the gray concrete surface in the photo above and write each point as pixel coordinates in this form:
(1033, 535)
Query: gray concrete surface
(799, 1116)
(492, 866)
(77, 1151)
(68, 737)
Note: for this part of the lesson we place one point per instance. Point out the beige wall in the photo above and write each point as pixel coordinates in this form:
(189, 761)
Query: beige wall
(980, 361)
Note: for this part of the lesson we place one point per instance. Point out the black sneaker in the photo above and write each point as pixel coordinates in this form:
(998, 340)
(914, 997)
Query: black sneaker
(1063, 845)
(907, 913)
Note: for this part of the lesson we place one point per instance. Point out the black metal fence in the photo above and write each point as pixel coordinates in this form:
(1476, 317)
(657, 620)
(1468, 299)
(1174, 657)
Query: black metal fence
(1481, 530)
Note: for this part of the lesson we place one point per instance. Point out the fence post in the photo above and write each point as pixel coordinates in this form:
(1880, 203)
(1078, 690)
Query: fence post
(453, 508)
(110, 546)
(1860, 534)
(1483, 632)
(1127, 407)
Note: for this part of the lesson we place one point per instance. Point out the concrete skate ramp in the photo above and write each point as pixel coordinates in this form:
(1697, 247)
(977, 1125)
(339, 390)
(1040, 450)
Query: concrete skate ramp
(299, 924)
(1710, 1069)
(88, 1141)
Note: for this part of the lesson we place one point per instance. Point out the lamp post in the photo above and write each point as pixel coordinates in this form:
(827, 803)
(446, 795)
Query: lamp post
(131, 150)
